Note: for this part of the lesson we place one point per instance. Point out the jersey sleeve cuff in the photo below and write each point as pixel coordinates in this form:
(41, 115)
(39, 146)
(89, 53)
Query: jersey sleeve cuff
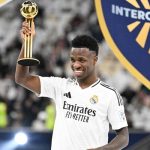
(119, 126)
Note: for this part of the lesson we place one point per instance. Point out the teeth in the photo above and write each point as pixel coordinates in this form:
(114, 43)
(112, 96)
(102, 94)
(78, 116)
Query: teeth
(77, 71)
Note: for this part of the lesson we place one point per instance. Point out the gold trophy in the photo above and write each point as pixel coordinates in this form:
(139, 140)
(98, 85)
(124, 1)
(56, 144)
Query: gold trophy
(28, 10)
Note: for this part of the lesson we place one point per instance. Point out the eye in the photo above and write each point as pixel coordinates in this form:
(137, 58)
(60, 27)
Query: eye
(72, 60)
(82, 60)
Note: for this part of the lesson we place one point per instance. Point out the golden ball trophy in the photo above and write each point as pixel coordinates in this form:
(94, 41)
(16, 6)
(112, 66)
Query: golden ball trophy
(28, 10)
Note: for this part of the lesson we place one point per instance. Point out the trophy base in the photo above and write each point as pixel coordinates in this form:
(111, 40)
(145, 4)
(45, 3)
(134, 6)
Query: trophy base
(28, 61)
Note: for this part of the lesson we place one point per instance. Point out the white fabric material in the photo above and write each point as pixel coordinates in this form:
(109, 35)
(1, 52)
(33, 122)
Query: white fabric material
(82, 115)
(3, 2)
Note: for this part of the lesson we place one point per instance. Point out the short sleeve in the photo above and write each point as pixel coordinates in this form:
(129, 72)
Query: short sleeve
(116, 113)
(50, 86)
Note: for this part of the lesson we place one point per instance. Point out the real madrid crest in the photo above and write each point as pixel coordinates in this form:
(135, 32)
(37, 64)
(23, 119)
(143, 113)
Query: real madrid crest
(94, 99)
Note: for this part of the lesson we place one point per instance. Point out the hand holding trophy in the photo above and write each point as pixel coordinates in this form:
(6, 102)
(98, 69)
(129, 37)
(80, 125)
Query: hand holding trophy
(29, 10)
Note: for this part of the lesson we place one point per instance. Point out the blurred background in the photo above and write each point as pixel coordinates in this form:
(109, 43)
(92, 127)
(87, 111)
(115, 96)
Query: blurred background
(57, 22)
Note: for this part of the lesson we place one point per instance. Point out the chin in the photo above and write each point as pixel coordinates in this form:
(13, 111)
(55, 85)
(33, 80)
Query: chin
(79, 78)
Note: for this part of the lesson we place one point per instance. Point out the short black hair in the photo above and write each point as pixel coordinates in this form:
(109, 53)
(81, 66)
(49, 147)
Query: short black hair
(85, 41)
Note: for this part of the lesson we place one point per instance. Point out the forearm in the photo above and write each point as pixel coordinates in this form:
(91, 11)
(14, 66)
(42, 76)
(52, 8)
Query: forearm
(22, 75)
(115, 144)
(21, 71)
(119, 142)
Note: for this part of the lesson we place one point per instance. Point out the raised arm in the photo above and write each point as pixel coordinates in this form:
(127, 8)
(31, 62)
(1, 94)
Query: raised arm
(119, 142)
(22, 74)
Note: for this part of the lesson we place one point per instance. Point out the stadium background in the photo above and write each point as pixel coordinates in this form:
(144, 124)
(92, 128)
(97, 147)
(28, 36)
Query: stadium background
(57, 22)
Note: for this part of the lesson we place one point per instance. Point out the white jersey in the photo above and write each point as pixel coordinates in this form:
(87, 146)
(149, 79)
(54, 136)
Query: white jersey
(82, 115)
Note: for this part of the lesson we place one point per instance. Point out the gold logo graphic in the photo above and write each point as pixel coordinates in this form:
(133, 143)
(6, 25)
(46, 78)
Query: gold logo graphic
(143, 34)
(94, 99)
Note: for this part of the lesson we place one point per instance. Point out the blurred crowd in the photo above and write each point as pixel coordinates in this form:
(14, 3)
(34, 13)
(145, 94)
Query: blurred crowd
(57, 22)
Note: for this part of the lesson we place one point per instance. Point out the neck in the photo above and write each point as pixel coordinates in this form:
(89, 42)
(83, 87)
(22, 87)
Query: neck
(84, 83)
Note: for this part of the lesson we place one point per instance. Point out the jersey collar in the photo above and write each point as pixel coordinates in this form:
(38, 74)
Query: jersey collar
(91, 86)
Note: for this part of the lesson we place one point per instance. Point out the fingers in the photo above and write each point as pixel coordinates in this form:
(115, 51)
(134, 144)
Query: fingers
(26, 30)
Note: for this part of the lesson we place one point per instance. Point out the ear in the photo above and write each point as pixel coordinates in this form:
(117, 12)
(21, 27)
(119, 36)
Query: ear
(95, 59)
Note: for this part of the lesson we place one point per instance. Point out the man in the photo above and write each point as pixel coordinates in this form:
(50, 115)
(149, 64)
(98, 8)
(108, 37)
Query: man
(84, 106)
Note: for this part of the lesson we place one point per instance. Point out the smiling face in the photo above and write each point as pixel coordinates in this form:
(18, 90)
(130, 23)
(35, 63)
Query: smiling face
(83, 64)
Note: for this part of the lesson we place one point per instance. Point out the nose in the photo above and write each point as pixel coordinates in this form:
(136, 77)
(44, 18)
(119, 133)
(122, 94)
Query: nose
(76, 65)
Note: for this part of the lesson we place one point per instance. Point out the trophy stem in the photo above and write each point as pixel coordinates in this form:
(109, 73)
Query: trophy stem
(25, 46)
(28, 42)
(31, 40)
(28, 48)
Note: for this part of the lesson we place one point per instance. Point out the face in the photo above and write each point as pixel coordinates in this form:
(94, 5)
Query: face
(83, 63)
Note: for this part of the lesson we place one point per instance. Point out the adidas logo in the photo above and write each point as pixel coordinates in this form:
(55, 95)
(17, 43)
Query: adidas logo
(67, 94)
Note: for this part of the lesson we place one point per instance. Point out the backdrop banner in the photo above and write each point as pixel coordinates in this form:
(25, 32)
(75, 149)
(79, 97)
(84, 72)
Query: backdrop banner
(125, 25)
